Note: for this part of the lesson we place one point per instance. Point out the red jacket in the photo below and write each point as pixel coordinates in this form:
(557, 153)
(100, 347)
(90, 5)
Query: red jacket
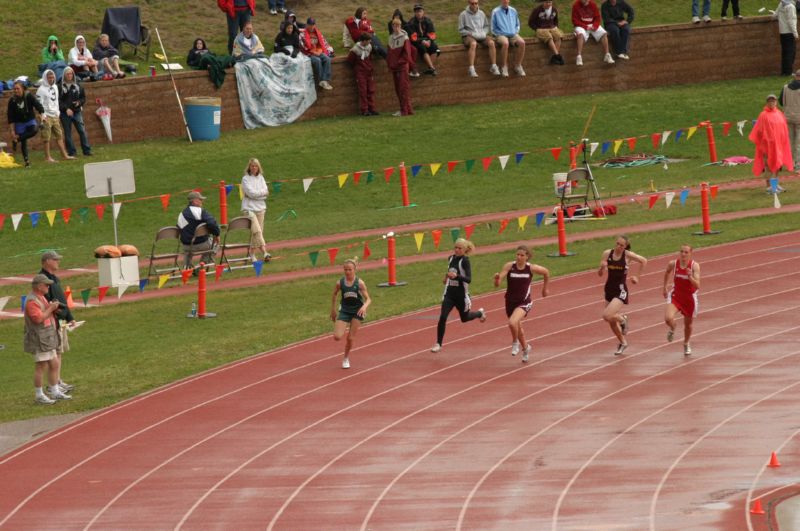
(227, 7)
(585, 16)
(305, 41)
(356, 29)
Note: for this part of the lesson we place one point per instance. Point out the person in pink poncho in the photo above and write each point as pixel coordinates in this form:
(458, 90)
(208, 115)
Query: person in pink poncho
(770, 134)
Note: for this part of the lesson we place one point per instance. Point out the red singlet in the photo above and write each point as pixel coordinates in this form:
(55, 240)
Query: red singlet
(683, 294)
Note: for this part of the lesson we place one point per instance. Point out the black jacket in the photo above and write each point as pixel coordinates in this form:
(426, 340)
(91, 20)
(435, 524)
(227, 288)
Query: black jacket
(283, 40)
(72, 97)
(56, 294)
(19, 114)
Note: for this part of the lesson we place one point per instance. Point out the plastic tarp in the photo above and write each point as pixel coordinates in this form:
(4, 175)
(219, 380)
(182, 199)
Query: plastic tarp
(122, 24)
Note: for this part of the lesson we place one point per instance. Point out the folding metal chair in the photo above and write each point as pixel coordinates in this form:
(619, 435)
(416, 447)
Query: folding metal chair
(172, 234)
(200, 231)
(124, 25)
(237, 224)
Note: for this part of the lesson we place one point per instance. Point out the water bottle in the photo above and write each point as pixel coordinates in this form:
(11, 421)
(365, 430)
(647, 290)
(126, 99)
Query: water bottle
(194, 309)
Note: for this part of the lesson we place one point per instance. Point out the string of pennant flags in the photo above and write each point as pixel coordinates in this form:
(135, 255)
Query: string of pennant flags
(658, 139)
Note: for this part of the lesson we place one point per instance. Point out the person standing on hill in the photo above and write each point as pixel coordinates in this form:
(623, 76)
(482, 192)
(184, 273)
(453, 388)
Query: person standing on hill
(786, 14)
(400, 60)
(237, 13)
(360, 57)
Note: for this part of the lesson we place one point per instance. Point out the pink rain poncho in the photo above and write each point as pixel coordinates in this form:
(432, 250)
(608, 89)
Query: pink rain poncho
(771, 137)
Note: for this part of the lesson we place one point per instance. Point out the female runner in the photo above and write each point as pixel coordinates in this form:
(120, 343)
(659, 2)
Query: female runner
(616, 261)
(353, 307)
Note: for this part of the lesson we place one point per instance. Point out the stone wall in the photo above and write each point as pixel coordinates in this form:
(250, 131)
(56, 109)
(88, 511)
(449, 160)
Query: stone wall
(143, 107)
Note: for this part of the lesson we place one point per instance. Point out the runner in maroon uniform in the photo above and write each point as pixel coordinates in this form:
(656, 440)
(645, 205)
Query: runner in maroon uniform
(518, 275)
(681, 282)
(616, 262)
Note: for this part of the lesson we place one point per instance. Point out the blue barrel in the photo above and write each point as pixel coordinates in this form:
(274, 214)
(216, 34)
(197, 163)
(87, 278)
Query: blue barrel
(203, 115)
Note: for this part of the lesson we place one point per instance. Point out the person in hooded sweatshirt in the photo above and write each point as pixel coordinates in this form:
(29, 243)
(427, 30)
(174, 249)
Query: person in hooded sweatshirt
(22, 123)
(786, 14)
(288, 40)
(360, 57)
(48, 96)
(81, 60)
(399, 60)
(108, 57)
(790, 101)
(72, 98)
(199, 49)
(52, 52)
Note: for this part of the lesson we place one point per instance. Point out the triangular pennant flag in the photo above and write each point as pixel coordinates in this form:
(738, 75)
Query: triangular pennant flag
(522, 220)
(313, 255)
(455, 233)
(655, 138)
(66, 213)
(100, 210)
(418, 237)
(142, 283)
(571, 211)
(415, 169)
(370, 177)
(714, 189)
(665, 136)
(451, 165)
(218, 270)
(15, 219)
(68, 295)
(503, 225)
(437, 237)
(539, 218)
(162, 279)
(228, 189)
(692, 130)
(605, 147)
(683, 196)
(307, 183)
(4, 301)
(34, 218)
(740, 127)
(617, 145)
(332, 254)
(277, 187)
(185, 274)
(2, 220)
(367, 253)
(503, 161)
(120, 290)
(678, 134)
(653, 200)
(726, 128)
(468, 229)
(487, 161)
(85, 295)
(164, 201)
(556, 152)
(241, 191)
(387, 174)
(593, 148)
(632, 143)
(668, 197)
(22, 302)
(101, 293)
(115, 209)
(83, 213)
(776, 202)
(469, 164)
(435, 167)
(518, 156)
(51, 216)
(342, 179)
(258, 265)
(356, 177)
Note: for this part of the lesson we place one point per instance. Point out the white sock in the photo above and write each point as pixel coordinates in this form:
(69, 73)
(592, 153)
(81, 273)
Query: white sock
(39, 391)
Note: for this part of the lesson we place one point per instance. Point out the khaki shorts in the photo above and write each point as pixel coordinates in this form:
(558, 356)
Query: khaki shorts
(466, 39)
(45, 356)
(547, 35)
(52, 126)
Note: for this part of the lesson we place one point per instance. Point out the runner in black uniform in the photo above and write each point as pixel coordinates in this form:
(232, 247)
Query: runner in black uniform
(519, 275)
(456, 291)
(352, 309)
(616, 261)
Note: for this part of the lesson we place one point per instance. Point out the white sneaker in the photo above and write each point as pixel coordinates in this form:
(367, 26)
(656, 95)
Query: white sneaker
(706, 19)
(515, 348)
(346, 363)
(472, 72)
(436, 348)
(56, 394)
(579, 61)
(44, 399)
(526, 353)
(608, 59)
(494, 70)
(65, 387)
(687, 350)
(324, 84)
(483, 315)
(670, 335)
(504, 71)
(621, 348)
(520, 72)
(624, 56)
(695, 20)
(397, 113)
(275, 12)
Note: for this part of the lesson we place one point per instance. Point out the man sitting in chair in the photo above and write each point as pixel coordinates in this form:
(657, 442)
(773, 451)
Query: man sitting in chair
(188, 220)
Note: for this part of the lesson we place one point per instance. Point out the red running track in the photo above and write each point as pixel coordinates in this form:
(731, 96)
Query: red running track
(467, 438)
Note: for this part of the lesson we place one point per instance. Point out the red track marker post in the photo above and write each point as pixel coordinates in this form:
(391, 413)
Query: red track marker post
(223, 204)
(756, 507)
(562, 237)
(404, 183)
(201, 294)
(712, 145)
(573, 157)
(392, 257)
(704, 209)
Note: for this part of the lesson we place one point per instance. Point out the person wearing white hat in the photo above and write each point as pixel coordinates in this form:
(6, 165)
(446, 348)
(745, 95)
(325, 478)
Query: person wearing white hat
(188, 220)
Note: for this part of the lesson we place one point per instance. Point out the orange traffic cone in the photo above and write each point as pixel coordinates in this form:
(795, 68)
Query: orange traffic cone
(756, 507)
(70, 302)
(773, 461)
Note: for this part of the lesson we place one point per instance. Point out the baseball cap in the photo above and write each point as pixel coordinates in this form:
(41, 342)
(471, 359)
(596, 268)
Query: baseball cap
(311, 21)
(418, 7)
(772, 97)
(41, 279)
(195, 195)
(51, 255)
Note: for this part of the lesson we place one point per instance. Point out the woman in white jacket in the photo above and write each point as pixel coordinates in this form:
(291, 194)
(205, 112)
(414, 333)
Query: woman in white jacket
(81, 60)
(254, 204)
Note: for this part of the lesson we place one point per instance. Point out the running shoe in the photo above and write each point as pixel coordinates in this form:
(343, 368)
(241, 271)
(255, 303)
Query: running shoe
(57, 394)
(65, 387)
(483, 315)
(346, 363)
(624, 325)
(621, 348)
(436, 348)
(515, 348)
(687, 350)
(670, 335)
(526, 353)
(44, 399)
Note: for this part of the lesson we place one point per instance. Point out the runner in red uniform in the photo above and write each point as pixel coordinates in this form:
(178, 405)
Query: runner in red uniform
(518, 275)
(616, 261)
(681, 282)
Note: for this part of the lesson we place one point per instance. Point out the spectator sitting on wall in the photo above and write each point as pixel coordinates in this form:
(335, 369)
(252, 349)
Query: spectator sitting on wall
(71, 101)
(617, 19)
(287, 41)
(358, 24)
(505, 28)
(422, 33)
(107, 56)
(319, 51)
(52, 57)
(291, 17)
(474, 29)
(586, 19)
(247, 45)
(81, 60)
(199, 49)
(48, 95)
(360, 57)
(544, 21)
